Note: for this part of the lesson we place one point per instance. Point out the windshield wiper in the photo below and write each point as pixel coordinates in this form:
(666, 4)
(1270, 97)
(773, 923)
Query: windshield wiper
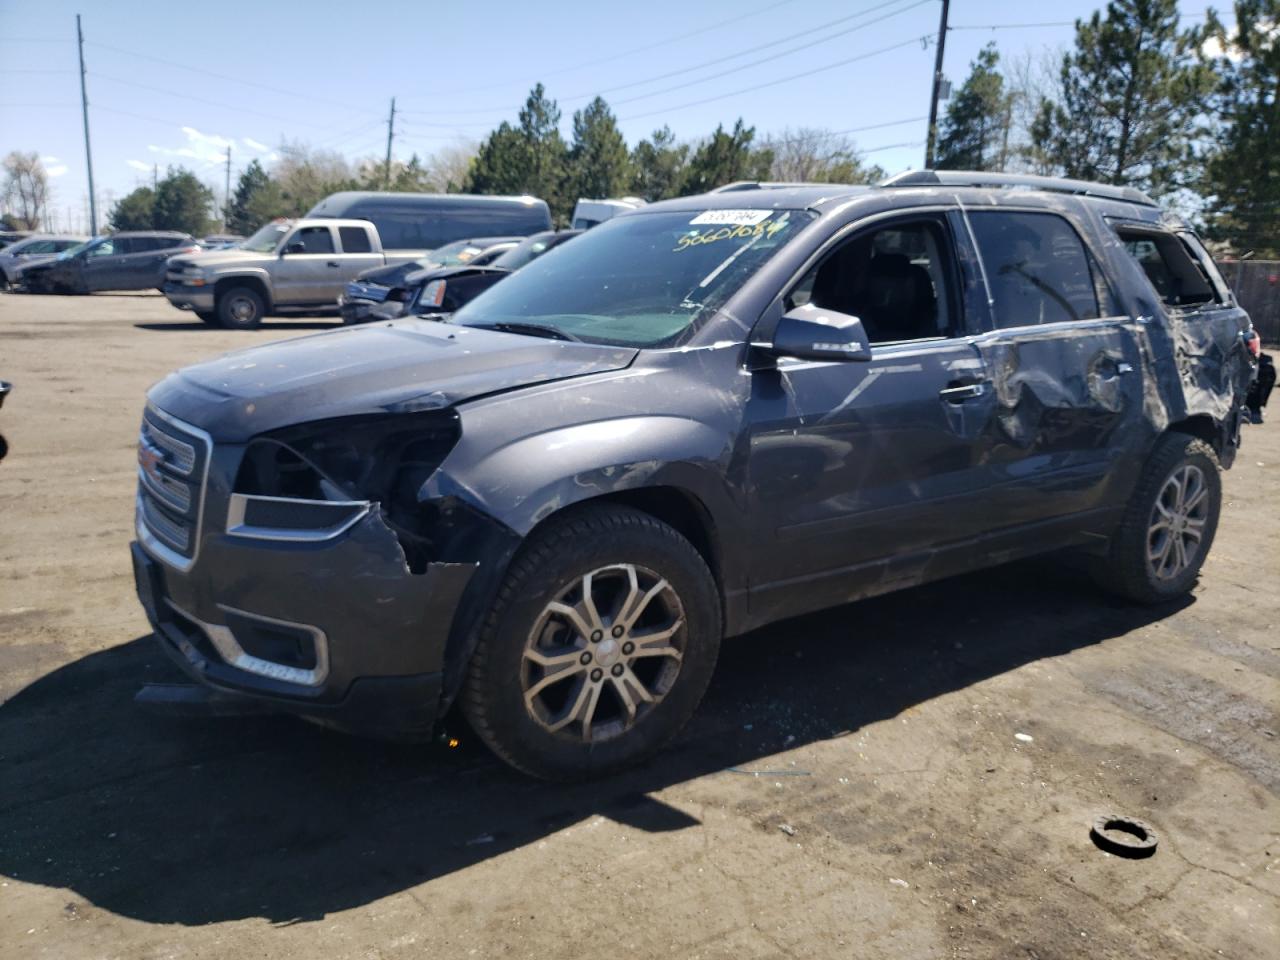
(528, 329)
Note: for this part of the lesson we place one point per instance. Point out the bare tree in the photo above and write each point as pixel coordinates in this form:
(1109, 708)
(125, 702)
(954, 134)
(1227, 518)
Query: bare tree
(815, 155)
(1033, 79)
(26, 188)
(449, 165)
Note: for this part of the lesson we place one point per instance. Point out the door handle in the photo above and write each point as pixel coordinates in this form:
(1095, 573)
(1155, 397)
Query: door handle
(962, 392)
(332, 263)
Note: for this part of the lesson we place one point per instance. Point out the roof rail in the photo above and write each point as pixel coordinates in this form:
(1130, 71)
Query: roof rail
(740, 185)
(1013, 181)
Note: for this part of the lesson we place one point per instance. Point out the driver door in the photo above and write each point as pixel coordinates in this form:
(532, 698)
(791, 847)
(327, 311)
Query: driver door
(307, 268)
(858, 469)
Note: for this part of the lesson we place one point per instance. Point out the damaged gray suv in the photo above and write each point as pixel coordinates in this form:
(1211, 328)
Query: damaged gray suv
(701, 417)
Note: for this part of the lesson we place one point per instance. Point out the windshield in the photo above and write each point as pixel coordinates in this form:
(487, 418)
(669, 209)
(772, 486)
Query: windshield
(452, 254)
(267, 239)
(640, 280)
(525, 251)
(81, 248)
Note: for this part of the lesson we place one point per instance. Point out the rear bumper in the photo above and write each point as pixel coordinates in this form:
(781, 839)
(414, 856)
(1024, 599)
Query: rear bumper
(199, 299)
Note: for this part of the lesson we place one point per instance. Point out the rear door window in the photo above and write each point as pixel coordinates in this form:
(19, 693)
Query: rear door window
(1178, 278)
(1037, 268)
(355, 240)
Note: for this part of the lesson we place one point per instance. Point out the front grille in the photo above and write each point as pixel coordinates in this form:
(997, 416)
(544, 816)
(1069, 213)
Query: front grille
(172, 463)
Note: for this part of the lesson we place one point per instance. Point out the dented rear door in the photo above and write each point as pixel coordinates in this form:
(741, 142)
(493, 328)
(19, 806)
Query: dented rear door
(1068, 428)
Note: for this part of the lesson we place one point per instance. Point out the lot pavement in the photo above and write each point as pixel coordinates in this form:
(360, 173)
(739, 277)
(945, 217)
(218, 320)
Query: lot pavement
(912, 776)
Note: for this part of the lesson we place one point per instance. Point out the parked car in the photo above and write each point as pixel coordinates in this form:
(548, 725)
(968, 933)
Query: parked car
(220, 241)
(447, 289)
(30, 251)
(122, 261)
(382, 293)
(705, 416)
(287, 266)
(591, 213)
(12, 236)
(424, 221)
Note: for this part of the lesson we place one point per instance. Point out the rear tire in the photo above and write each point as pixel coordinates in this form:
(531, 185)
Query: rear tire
(1168, 525)
(598, 648)
(240, 308)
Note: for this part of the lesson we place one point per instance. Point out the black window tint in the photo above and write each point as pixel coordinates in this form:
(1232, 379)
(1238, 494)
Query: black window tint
(893, 278)
(1036, 266)
(313, 239)
(1178, 278)
(355, 240)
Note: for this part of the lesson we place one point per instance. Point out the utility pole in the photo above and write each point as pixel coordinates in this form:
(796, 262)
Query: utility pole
(391, 132)
(226, 193)
(88, 154)
(937, 87)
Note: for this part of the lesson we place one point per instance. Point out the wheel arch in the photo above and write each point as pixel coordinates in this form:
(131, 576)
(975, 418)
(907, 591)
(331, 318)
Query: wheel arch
(252, 281)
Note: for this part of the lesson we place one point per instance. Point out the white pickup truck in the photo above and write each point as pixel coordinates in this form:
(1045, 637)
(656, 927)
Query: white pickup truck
(287, 266)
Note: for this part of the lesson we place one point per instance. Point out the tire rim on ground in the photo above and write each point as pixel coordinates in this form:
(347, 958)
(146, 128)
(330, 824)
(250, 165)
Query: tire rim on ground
(1176, 528)
(604, 653)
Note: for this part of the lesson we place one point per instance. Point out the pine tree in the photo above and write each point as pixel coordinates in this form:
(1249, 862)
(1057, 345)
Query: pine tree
(657, 166)
(1242, 172)
(598, 162)
(530, 158)
(724, 158)
(246, 212)
(974, 134)
(133, 211)
(1130, 94)
(182, 203)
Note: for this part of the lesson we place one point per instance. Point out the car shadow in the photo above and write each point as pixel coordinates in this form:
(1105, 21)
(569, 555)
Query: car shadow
(198, 821)
(280, 324)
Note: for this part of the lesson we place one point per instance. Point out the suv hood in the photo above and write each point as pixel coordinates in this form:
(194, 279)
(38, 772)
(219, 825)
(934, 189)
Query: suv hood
(393, 275)
(409, 364)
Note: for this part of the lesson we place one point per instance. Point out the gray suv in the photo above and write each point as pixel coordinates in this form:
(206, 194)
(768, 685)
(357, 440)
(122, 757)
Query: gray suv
(701, 417)
(121, 261)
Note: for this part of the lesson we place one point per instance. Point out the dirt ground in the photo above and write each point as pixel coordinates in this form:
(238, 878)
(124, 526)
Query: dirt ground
(909, 777)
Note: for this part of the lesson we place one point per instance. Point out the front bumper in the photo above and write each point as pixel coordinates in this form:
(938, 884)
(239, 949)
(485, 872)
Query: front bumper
(199, 299)
(340, 632)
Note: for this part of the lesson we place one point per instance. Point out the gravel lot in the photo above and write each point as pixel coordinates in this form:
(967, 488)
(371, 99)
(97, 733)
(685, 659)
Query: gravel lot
(912, 776)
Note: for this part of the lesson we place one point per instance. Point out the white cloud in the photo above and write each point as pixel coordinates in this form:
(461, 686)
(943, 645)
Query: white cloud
(139, 165)
(57, 170)
(47, 160)
(254, 144)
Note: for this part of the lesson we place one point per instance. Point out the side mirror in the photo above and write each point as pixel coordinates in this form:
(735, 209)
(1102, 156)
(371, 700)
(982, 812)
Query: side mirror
(812, 333)
(296, 247)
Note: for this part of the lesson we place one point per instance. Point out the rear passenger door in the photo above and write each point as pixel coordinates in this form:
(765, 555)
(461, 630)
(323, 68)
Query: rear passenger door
(1066, 371)
(356, 255)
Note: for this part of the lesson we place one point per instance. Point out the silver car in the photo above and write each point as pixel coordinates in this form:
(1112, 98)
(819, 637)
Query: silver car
(35, 249)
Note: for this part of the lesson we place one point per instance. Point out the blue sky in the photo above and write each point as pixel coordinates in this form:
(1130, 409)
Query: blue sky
(176, 82)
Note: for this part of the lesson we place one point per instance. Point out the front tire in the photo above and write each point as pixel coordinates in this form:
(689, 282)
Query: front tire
(1168, 525)
(240, 308)
(598, 649)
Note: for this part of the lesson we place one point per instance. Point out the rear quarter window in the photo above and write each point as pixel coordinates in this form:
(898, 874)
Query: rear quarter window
(355, 240)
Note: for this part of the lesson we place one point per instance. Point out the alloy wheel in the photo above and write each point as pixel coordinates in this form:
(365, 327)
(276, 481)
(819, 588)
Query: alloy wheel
(604, 653)
(1177, 525)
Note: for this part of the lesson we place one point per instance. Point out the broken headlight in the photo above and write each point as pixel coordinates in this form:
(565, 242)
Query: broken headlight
(315, 480)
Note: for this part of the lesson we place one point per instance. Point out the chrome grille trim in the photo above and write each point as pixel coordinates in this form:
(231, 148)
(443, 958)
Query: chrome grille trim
(224, 641)
(184, 455)
(175, 542)
(172, 493)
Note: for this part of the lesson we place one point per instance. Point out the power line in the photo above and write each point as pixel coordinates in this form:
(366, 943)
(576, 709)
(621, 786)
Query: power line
(772, 43)
(737, 18)
(1015, 26)
(701, 66)
(863, 129)
(194, 99)
(787, 79)
(222, 76)
(774, 56)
